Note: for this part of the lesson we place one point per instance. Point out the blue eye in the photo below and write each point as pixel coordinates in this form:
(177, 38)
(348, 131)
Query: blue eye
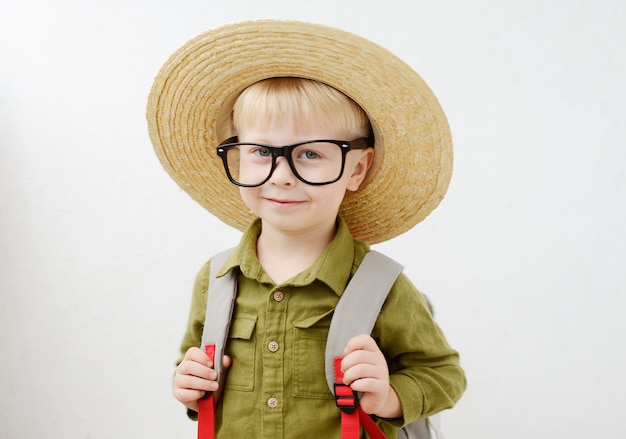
(310, 155)
(263, 152)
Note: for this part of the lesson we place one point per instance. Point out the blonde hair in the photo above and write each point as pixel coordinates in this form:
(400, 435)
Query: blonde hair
(299, 101)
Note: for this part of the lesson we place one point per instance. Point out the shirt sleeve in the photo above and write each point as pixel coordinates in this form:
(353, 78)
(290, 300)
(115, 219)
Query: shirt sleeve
(425, 371)
(197, 311)
(195, 324)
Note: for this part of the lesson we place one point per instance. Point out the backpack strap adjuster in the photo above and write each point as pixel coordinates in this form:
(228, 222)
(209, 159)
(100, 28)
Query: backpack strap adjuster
(346, 399)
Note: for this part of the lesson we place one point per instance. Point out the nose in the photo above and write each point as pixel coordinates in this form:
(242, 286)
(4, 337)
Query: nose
(282, 175)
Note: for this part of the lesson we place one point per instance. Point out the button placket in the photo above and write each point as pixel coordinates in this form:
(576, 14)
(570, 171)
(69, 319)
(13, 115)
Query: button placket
(272, 358)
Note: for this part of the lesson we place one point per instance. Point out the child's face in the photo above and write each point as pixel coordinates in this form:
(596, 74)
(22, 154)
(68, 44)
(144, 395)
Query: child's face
(288, 204)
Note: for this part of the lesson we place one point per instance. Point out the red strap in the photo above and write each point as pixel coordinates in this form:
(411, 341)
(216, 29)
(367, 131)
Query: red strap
(206, 406)
(373, 430)
(351, 422)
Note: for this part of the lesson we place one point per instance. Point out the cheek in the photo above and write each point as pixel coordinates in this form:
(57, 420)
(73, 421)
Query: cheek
(249, 195)
(331, 196)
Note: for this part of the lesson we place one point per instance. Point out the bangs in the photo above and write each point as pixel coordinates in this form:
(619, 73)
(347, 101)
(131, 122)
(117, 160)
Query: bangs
(299, 102)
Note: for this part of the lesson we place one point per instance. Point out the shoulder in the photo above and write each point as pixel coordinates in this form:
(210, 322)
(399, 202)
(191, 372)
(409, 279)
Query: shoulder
(405, 308)
(405, 294)
(202, 276)
(206, 271)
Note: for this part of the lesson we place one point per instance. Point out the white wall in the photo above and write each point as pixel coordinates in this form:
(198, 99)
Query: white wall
(524, 259)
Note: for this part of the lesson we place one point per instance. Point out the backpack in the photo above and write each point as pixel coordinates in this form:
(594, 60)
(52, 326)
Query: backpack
(355, 313)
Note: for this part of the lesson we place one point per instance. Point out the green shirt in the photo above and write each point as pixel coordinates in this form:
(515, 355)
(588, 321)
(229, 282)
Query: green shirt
(276, 386)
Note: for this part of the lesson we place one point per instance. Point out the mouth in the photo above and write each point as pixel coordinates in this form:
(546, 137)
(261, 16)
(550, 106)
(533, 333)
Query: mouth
(283, 203)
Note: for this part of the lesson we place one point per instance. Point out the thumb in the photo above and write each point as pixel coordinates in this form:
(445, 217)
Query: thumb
(226, 361)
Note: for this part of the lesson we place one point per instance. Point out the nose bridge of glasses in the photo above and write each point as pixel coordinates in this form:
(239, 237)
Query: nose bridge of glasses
(280, 151)
(282, 158)
(282, 171)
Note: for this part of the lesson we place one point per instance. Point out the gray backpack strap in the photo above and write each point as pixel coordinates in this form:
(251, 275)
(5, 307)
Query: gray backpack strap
(359, 306)
(220, 303)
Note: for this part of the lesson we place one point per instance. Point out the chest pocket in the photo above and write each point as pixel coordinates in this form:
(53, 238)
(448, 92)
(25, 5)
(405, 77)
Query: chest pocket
(309, 347)
(241, 347)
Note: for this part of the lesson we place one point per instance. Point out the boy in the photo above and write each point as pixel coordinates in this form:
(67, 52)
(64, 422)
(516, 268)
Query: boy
(311, 165)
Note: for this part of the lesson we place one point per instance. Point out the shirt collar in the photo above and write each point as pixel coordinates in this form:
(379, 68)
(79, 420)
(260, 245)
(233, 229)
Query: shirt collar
(334, 267)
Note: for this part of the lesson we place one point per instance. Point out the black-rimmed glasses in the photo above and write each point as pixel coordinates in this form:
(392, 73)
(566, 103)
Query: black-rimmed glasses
(315, 162)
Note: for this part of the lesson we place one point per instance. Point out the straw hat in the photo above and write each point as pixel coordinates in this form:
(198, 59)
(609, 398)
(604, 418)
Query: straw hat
(193, 94)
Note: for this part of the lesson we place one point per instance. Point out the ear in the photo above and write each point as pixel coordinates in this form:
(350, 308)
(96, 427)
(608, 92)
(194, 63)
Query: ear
(359, 167)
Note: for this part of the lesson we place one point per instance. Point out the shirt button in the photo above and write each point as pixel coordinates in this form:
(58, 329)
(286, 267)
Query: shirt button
(272, 346)
(279, 296)
(272, 403)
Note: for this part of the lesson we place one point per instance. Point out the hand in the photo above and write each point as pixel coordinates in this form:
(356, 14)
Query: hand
(365, 370)
(195, 376)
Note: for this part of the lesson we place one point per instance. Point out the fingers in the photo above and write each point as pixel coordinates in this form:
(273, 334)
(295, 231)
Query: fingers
(361, 376)
(364, 366)
(363, 359)
(198, 355)
(365, 370)
(361, 342)
(195, 376)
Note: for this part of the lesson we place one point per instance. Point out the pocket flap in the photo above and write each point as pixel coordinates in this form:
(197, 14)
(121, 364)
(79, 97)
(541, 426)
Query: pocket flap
(243, 326)
(312, 321)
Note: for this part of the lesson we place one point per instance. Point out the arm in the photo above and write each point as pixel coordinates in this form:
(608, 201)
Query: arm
(423, 370)
(194, 372)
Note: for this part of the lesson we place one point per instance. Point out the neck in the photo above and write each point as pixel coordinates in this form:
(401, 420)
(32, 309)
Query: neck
(283, 255)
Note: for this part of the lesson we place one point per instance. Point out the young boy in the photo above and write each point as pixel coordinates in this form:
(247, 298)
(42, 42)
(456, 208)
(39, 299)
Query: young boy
(301, 154)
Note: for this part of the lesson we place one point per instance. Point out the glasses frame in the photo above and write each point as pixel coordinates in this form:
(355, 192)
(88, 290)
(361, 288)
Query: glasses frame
(286, 151)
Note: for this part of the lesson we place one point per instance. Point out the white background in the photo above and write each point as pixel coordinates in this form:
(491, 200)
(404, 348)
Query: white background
(524, 259)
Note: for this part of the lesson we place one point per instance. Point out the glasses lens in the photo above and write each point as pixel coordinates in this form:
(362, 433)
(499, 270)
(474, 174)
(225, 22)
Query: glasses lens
(317, 162)
(249, 164)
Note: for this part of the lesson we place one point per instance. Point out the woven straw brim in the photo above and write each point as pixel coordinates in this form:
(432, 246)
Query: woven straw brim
(198, 84)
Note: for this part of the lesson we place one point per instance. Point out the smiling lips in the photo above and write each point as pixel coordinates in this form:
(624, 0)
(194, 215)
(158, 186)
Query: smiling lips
(284, 203)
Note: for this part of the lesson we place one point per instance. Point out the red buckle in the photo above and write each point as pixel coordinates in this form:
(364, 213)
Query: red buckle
(346, 399)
